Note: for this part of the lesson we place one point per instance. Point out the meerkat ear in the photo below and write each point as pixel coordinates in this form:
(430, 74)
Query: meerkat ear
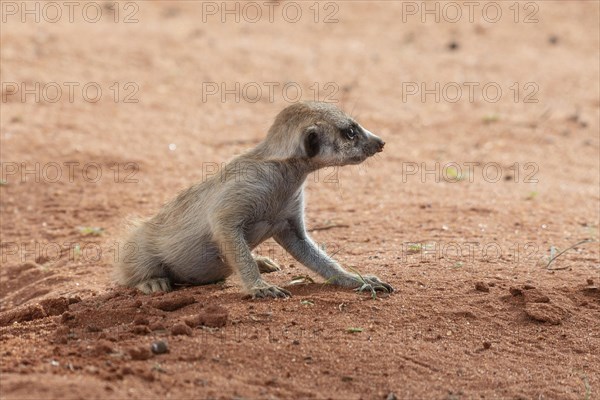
(311, 142)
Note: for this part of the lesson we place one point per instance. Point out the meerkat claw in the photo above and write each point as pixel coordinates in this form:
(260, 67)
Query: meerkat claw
(373, 283)
(270, 291)
(154, 285)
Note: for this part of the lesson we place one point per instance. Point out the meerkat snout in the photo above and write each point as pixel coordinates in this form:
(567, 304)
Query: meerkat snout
(375, 144)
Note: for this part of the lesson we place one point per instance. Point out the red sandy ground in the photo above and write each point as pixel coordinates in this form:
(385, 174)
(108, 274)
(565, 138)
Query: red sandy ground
(476, 312)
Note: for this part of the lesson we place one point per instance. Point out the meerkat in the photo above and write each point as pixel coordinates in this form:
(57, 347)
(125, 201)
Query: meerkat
(208, 231)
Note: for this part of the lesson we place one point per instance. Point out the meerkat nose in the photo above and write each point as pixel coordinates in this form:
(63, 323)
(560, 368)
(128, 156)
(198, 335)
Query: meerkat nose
(381, 144)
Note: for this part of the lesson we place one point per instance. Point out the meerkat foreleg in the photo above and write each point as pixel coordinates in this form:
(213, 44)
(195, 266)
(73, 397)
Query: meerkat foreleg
(297, 242)
(237, 254)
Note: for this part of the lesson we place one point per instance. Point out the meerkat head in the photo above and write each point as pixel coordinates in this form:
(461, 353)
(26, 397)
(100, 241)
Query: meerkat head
(334, 138)
(322, 133)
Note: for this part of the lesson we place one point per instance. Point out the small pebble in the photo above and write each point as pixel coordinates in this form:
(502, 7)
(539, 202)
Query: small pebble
(159, 347)
(216, 316)
(590, 281)
(66, 317)
(93, 328)
(91, 369)
(181, 329)
(515, 291)
(103, 347)
(487, 345)
(172, 304)
(127, 370)
(482, 287)
(453, 45)
(158, 326)
(139, 320)
(140, 330)
(140, 353)
(391, 396)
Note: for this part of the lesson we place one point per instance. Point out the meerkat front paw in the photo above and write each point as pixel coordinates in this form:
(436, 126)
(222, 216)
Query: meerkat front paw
(266, 265)
(371, 282)
(361, 282)
(154, 285)
(264, 289)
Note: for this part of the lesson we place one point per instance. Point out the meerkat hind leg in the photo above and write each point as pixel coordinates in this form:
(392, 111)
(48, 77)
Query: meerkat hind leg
(155, 285)
(266, 265)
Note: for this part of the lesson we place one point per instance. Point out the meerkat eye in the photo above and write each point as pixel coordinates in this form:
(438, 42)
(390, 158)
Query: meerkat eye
(351, 132)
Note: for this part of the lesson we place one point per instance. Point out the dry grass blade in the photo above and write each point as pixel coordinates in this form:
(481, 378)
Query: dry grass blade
(564, 251)
(327, 227)
(301, 280)
(354, 330)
